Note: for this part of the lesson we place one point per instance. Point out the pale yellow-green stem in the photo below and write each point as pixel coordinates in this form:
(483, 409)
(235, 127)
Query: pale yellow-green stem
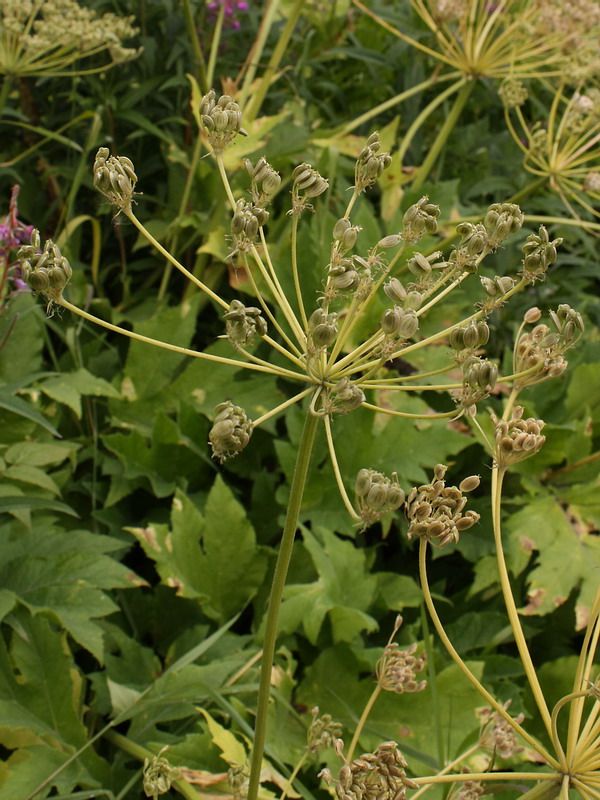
(422, 116)
(258, 96)
(280, 298)
(164, 252)
(415, 377)
(511, 608)
(442, 294)
(282, 406)
(290, 781)
(263, 304)
(390, 412)
(555, 737)
(448, 768)
(295, 273)
(386, 383)
(267, 17)
(225, 179)
(214, 47)
(243, 669)
(519, 730)
(363, 718)
(184, 351)
(585, 790)
(488, 776)
(336, 471)
(393, 101)
(576, 710)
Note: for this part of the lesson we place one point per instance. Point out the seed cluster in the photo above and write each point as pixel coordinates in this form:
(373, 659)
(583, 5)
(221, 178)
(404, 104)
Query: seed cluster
(231, 431)
(222, 120)
(397, 669)
(376, 494)
(47, 272)
(242, 323)
(517, 438)
(496, 734)
(373, 776)
(322, 731)
(435, 510)
(115, 178)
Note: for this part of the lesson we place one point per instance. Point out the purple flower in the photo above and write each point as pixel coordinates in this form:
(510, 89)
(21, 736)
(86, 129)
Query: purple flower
(230, 9)
(13, 233)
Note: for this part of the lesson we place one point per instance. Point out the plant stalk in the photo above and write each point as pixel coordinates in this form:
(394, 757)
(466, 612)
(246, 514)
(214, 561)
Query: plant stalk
(281, 568)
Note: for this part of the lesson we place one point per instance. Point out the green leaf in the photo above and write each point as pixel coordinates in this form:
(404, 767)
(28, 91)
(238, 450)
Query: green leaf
(65, 573)
(544, 528)
(41, 709)
(68, 388)
(149, 369)
(344, 591)
(24, 409)
(211, 556)
(10, 505)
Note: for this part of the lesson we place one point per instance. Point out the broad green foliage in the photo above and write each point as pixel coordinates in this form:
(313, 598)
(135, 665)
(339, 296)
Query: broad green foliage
(209, 555)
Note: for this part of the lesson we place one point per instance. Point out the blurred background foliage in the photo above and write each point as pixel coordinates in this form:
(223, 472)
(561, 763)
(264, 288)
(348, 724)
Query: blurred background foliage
(111, 608)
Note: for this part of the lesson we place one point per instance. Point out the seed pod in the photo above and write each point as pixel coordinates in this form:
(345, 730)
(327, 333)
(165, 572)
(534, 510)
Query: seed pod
(363, 482)
(340, 227)
(377, 495)
(469, 484)
(348, 239)
(413, 300)
(409, 325)
(457, 339)
(395, 290)
(470, 336)
(392, 240)
(391, 319)
(419, 266)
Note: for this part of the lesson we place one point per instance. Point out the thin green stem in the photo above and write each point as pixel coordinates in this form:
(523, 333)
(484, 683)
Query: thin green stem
(336, 470)
(519, 730)
(184, 351)
(4, 92)
(282, 406)
(196, 46)
(515, 623)
(487, 776)
(225, 179)
(448, 768)
(290, 781)
(164, 252)
(363, 718)
(183, 204)
(283, 560)
(295, 272)
(443, 134)
(214, 46)
(393, 101)
(268, 16)
(253, 107)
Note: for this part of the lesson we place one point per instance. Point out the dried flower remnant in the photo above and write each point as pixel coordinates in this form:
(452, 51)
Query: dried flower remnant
(237, 778)
(47, 38)
(397, 669)
(435, 511)
(159, 775)
(496, 734)
(243, 323)
(469, 790)
(322, 732)
(381, 774)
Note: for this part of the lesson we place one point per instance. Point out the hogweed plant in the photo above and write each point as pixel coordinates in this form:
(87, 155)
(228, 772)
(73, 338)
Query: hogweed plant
(564, 148)
(331, 376)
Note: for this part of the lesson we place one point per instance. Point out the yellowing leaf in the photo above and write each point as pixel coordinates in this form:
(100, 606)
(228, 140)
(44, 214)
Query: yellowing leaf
(232, 750)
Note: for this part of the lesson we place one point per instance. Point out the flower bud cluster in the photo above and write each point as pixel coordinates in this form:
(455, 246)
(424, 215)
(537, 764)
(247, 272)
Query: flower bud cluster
(306, 183)
(373, 776)
(398, 322)
(322, 731)
(376, 494)
(115, 178)
(397, 669)
(242, 323)
(502, 220)
(47, 272)
(469, 790)
(245, 223)
(497, 287)
(231, 431)
(512, 92)
(435, 510)
(569, 324)
(479, 378)
(542, 349)
(222, 120)
(470, 337)
(344, 397)
(322, 327)
(345, 234)
(265, 181)
(497, 734)
(539, 252)
(516, 438)
(420, 219)
(158, 775)
(370, 163)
